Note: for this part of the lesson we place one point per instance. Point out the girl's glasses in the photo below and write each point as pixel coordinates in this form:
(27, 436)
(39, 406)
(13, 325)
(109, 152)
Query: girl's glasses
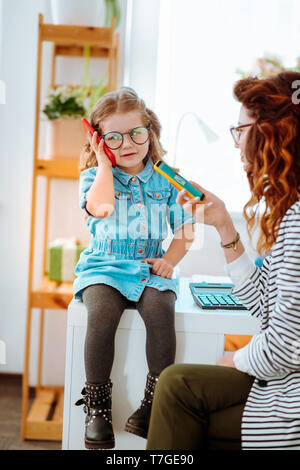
(139, 135)
(236, 132)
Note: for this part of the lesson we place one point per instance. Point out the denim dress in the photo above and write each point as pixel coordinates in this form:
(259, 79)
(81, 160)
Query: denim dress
(145, 205)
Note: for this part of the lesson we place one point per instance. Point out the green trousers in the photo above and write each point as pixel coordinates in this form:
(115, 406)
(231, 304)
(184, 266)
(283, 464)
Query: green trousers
(198, 407)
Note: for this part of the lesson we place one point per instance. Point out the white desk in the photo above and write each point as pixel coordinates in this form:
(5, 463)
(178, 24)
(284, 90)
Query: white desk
(200, 339)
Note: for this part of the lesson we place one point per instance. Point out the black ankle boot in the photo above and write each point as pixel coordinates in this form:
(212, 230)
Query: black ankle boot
(98, 424)
(138, 422)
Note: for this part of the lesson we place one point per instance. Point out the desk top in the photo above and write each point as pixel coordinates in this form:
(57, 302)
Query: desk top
(189, 317)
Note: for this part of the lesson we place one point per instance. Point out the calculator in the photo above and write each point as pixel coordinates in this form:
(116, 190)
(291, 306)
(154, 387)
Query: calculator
(215, 295)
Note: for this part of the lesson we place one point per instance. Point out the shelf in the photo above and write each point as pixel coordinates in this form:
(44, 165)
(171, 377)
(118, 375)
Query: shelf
(58, 168)
(77, 35)
(45, 418)
(75, 87)
(52, 294)
(77, 51)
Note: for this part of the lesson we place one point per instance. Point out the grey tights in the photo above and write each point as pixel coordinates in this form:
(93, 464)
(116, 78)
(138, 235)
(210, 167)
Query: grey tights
(105, 306)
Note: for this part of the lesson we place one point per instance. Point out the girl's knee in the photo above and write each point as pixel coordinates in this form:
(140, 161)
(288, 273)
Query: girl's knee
(101, 319)
(157, 314)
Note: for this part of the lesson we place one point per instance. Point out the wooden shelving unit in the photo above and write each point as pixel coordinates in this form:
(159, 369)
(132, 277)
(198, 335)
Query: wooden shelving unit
(45, 418)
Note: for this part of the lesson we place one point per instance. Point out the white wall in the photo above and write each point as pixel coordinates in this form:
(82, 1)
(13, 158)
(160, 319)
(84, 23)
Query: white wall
(17, 126)
(141, 51)
(1, 25)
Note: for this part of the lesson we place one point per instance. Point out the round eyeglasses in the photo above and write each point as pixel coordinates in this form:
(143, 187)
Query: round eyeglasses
(236, 132)
(139, 135)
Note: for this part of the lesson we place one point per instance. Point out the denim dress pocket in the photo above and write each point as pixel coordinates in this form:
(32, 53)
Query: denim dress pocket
(160, 196)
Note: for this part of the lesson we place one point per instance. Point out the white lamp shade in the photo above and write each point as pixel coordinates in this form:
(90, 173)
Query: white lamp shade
(210, 135)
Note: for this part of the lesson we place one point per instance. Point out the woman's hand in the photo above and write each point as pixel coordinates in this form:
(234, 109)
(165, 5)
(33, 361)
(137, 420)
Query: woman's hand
(101, 156)
(227, 361)
(161, 267)
(212, 212)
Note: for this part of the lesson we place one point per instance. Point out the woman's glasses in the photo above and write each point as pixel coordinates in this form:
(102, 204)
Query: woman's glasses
(139, 135)
(236, 132)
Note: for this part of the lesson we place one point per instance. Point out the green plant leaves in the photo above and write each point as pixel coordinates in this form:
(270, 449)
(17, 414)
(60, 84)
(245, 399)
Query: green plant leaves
(112, 8)
(68, 102)
(69, 108)
(268, 66)
(97, 93)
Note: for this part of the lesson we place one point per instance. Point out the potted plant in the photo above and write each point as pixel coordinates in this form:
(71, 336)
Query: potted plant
(64, 109)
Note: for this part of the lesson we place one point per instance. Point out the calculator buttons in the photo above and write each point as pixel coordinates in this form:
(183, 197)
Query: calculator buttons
(213, 300)
(204, 301)
(229, 300)
(221, 300)
(214, 296)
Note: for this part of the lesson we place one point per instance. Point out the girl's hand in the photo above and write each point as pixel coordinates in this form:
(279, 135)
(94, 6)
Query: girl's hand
(226, 361)
(161, 267)
(101, 156)
(211, 212)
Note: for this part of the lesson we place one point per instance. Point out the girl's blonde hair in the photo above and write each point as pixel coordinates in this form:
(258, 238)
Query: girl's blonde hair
(123, 101)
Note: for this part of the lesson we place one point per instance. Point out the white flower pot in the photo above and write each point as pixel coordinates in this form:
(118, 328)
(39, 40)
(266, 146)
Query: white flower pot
(65, 138)
(78, 12)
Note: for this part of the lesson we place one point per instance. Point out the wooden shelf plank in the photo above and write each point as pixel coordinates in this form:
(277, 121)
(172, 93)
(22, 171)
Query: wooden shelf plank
(59, 409)
(41, 405)
(52, 294)
(74, 87)
(43, 430)
(73, 34)
(77, 51)
(38, 426)
(58, 168)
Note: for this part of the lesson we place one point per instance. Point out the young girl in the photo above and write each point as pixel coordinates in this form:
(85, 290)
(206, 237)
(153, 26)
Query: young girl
(128, 208)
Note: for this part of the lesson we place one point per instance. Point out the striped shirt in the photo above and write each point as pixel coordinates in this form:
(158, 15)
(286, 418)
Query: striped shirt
(271, 418)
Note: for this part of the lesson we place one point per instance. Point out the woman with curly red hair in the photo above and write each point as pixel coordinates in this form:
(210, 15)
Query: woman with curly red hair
(251, 398)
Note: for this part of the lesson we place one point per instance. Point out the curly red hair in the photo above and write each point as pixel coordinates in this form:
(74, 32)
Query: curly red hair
(272, 151)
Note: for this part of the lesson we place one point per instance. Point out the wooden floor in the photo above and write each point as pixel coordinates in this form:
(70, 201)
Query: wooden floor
(10, 417)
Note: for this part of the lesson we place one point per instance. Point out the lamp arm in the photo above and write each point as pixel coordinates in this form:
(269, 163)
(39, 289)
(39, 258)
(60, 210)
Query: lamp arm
(205, 128)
